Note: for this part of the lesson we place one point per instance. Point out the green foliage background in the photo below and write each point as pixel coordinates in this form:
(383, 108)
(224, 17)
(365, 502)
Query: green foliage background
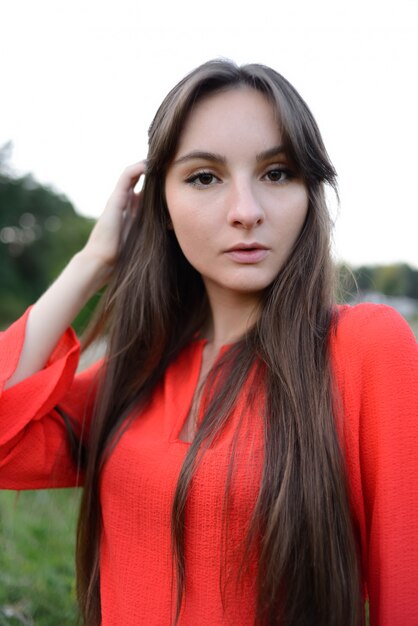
(39, 232)
(398, 280)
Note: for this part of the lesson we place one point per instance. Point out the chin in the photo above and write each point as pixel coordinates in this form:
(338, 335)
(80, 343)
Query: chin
(253, 286)
(248, 287)
(245, 285)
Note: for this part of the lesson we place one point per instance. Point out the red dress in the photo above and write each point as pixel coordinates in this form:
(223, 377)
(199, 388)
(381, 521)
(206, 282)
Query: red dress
(375, 359)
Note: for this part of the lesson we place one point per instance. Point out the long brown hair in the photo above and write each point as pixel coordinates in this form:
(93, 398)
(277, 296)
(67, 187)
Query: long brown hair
(307, 565)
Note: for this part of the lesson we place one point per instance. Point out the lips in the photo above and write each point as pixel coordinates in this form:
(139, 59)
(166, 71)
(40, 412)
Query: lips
(247, 246)
(247, 252)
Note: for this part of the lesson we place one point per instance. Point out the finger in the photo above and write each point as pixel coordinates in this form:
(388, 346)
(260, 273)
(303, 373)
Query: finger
(123, 193)
(136, 203)
(132, 174)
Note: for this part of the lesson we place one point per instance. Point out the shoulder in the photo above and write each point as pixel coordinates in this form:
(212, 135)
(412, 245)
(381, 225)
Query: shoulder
(368, 327)
(373, 344)
(368, 317)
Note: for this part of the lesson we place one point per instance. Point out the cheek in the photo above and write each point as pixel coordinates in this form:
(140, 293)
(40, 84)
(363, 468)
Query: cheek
(300, 218)
(192, 238)
(191, 224)
(302, 202)
(190, 235)
(295, 214)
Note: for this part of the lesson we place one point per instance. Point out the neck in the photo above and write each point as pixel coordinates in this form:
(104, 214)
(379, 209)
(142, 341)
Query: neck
(232, 315)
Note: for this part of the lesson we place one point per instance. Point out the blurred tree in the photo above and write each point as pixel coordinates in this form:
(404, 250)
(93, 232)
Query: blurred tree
(411, 281)
(346, 285)
(39, 232)
(398, 279)
(364, 276)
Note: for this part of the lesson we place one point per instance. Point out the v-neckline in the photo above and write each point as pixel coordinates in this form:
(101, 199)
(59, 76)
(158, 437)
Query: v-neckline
(197, 346)
(196, 369)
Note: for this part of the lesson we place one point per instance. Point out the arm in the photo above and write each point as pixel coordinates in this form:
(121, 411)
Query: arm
(39, 356)
(389, 458)
(85, 274)
(380, 388)
(34, 447)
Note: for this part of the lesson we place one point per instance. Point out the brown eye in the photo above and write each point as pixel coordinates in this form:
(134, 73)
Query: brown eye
(202, 179)
(205, 179)
(278, 175)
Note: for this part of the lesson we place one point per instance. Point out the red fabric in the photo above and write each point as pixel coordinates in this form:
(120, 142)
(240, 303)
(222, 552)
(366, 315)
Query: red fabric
(375, 360)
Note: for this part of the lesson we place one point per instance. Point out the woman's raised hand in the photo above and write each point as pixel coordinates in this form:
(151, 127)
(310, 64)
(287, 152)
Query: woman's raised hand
(116, 219)
(88, 271)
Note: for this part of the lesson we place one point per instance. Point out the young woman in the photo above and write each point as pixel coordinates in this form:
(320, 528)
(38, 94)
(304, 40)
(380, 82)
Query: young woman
(248, 449)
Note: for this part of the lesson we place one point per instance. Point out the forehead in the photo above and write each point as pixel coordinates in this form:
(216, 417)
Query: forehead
(240, 118)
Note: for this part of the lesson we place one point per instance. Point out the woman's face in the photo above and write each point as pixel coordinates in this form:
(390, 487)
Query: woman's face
(235, 203)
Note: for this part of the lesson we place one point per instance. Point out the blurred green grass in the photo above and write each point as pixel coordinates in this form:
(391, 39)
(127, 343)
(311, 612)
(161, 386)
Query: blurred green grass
(37, 573)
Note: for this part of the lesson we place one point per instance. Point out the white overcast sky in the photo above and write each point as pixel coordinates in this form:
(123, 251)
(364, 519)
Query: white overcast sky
(81, 80)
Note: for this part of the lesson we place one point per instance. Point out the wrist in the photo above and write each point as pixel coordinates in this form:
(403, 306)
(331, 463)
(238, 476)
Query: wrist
(93, 271)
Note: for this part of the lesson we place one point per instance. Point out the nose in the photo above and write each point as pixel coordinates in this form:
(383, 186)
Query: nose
(245, 209)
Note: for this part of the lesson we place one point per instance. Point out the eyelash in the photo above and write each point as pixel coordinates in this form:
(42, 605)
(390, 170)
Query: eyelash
(283, 170)
(194, 178)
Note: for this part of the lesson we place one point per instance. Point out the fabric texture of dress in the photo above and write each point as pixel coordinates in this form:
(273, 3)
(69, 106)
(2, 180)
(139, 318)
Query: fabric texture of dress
(375, 362)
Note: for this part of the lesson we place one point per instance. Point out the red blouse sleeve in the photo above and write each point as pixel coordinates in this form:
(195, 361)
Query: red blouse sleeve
(380, 367)
(34, 445)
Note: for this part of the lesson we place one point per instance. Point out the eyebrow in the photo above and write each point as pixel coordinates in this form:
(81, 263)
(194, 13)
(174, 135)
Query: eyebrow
(200, 154)
(270, 153)
(218, 158)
